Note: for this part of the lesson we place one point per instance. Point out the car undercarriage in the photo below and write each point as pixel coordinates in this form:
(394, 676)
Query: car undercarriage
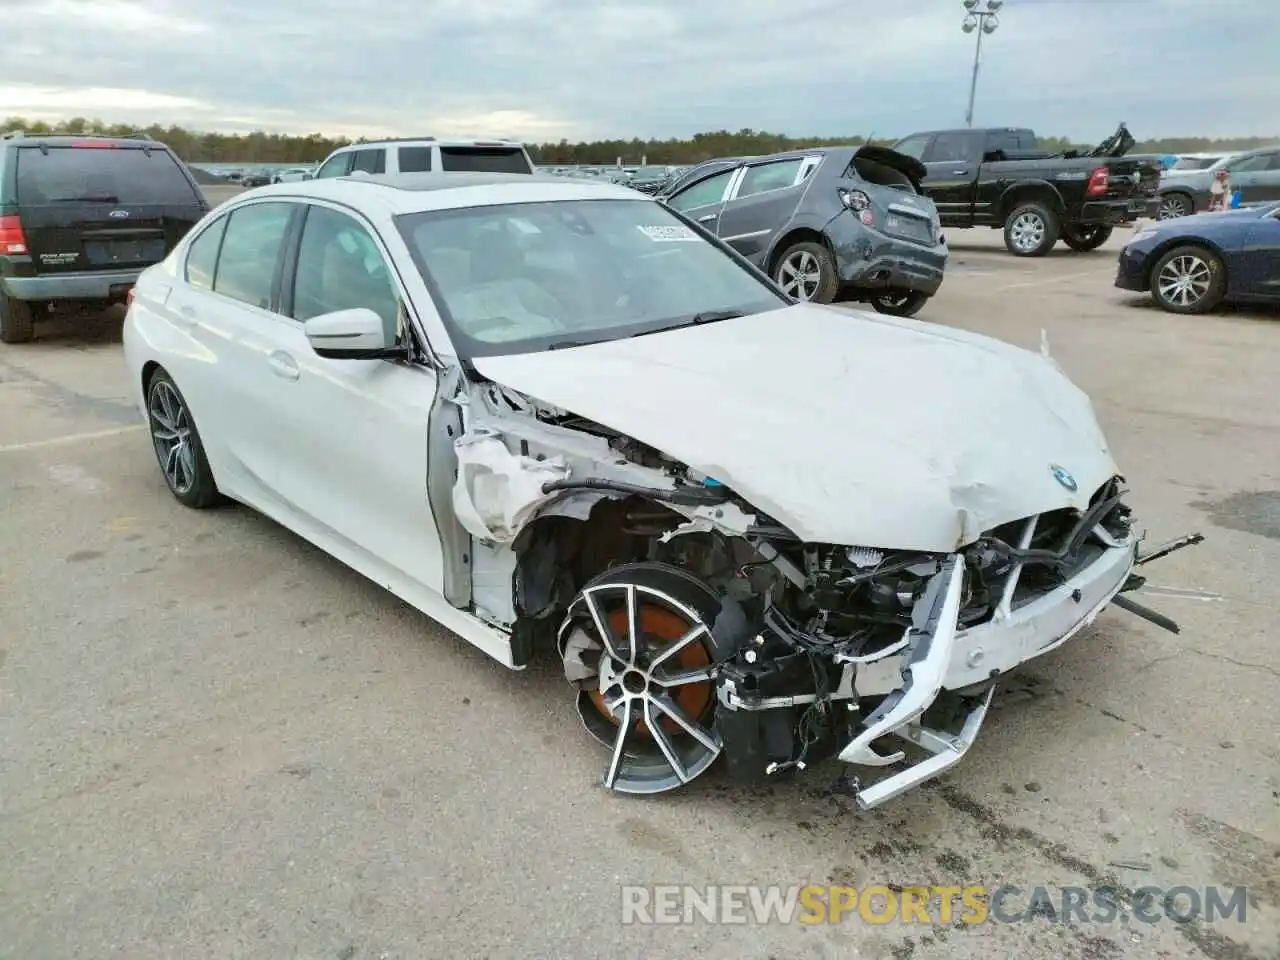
(693, 626)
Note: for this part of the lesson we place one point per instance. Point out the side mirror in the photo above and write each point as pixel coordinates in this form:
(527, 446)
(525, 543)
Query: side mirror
(357, 334)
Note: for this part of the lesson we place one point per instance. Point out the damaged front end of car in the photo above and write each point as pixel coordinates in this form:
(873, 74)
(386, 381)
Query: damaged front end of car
(693, 626)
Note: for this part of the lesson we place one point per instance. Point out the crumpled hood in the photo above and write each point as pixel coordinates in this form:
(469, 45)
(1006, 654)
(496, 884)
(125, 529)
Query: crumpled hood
(847, 427)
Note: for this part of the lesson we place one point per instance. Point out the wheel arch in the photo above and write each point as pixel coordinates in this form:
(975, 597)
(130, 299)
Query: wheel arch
(802, 233)
(1029, 192)
(1172, 244)
(149, 370)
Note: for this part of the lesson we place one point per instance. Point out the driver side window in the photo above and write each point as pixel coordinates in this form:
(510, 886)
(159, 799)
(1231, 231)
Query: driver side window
(341, 267)
(710, 190)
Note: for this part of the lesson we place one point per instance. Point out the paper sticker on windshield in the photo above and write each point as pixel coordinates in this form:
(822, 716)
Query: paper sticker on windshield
(669, 234)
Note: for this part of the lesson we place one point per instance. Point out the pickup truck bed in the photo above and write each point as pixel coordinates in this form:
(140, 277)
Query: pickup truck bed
(987, 178)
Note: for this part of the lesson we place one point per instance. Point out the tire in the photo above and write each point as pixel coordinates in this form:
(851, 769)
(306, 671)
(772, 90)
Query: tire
(1031, 230)
(810, 268)
(616, 675)
(1175, 205)
(1084, 239)
(179, 451)
(904, 303)
(17, 321)
(1189, 280)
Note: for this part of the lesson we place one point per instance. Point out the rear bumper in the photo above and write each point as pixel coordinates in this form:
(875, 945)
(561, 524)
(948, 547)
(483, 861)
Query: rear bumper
(1118, 211)
(869, 260)
(97, 285)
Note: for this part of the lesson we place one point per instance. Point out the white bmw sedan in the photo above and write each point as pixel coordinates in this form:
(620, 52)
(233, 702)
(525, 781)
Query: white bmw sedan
(554, 413)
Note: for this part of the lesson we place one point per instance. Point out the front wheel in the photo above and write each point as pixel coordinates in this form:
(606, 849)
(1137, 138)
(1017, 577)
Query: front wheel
(807, 271)
(1030, 230)
(637, 643)
(1189, 280)
(900, 304)
(1084, 239)
(177, 444)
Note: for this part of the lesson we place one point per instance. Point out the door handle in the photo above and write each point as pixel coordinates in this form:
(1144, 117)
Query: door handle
(959, 173)
(283, 365)
(707, 217)
(187, 315)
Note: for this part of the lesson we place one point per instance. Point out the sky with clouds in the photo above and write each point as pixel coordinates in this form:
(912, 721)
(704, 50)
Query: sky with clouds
(587, 69)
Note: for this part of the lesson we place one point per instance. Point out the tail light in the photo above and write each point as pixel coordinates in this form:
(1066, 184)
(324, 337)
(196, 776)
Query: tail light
(11, 238)
(855, 200)
(1098, 182)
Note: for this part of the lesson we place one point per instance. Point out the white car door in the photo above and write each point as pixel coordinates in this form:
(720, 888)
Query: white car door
(351, 435)
(226, 312)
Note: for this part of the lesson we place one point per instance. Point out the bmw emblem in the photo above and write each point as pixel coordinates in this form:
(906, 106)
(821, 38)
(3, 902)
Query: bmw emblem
(1064, 479)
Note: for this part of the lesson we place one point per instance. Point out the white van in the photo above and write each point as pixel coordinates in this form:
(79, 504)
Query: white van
(423, 154)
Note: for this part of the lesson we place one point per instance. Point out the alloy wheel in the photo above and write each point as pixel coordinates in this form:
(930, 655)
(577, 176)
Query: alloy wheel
(1184, 281)
(171, 434)
(1027, 231)
(1171, 208)
(800, 275)
(652, 698)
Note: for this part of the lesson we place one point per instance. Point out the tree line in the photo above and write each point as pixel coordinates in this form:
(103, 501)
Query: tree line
(261, 147)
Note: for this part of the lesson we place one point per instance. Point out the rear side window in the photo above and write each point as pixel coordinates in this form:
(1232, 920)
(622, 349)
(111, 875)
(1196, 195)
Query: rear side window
(769, 176)
(1011, 141)
(484, 160)
(250, 248)
(369, 161)
(202, 255)
(114, 175)
(950, 148)
(415, 159)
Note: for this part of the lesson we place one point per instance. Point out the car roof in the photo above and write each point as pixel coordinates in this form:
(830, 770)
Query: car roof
(62, 139)
(432, 142)
(420, 192)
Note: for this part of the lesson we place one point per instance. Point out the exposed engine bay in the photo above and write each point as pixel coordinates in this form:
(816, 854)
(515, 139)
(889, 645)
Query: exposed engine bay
(694, 626)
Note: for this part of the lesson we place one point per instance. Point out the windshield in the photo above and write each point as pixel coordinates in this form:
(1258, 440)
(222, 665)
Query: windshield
(518, 278)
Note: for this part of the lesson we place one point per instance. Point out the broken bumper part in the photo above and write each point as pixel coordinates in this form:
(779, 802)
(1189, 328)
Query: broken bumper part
(942, 656)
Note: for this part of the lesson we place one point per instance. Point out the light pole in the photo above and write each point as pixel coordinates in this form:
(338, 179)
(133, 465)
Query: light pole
(978, 21)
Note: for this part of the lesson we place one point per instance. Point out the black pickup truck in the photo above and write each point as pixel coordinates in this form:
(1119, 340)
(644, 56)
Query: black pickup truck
(999, 178)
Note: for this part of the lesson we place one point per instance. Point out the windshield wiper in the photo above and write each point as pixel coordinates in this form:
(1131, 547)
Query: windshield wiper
(104, 198)
(707, 316)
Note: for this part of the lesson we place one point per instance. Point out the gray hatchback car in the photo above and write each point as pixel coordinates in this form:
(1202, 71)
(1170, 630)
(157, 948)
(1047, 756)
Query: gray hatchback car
(825, 222)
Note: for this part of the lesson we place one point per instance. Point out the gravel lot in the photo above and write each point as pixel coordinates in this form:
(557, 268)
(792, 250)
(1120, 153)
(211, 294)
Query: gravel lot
(217, 742)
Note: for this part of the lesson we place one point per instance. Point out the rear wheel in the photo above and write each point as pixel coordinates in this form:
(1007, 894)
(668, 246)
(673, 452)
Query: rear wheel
(1174, 205)
(1189, 280)
(807, 271)
(904, 303)
(637, 643)
(1030, 230)
(17, 320)
(1083, 239)
(177, 444)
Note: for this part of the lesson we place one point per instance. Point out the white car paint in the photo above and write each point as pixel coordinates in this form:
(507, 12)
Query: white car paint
(849, 428)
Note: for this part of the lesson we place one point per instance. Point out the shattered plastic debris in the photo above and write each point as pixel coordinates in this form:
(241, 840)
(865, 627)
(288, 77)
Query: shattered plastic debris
(497, 491)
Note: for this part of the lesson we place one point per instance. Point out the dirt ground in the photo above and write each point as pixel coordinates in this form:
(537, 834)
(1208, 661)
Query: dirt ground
(217, 742)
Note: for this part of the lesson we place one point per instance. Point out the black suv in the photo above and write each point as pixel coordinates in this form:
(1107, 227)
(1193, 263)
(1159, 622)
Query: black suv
(81, 217)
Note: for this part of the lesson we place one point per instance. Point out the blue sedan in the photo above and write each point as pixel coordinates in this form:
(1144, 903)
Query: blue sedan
(1194, 264)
